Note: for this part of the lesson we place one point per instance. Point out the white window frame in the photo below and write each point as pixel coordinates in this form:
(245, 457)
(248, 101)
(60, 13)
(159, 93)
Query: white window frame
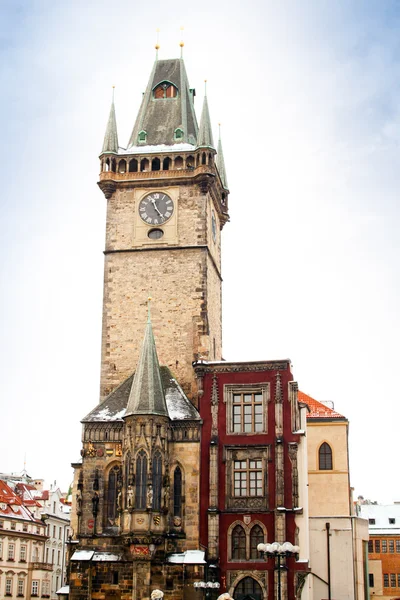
(35, 587)
(231, 389)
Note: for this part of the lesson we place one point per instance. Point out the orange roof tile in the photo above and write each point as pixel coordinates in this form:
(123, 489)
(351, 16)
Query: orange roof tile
(317, 409)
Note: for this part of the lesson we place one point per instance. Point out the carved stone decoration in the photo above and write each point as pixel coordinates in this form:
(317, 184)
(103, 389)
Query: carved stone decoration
(214, 408)
(234, 577)
(279, 475)
(245, 453)
(90, 450)
(293, 447)
(79, 502)
(278, 406)
(300, 580)
(96, 486)
(108, 188)
(294, 405)
(95, 504)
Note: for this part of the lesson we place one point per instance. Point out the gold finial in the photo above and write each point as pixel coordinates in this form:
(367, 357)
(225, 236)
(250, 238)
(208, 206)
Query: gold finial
(148, 309)
(205, 87)
(219, 130)
(157, 46)
(182, 43)
(113, 89)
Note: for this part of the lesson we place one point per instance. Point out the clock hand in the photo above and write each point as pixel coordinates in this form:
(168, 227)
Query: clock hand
(155, 206)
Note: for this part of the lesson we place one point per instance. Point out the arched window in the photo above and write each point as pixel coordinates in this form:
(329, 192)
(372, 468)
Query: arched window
(122, 166)
(256, 537)
(203, 158)
(155, 164)
(141, 479)
(165, 90)
(142, 137)
(178, 162)
(248, 588)
(113, 165)
(166, 163)
(178, 134)
(112, 493)
(157, 481)
(144, 164)
(325, 457)
(177, 492)
(238, 543)
(133, 166)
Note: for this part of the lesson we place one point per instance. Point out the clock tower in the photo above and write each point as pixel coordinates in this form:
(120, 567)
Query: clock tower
(167, 202)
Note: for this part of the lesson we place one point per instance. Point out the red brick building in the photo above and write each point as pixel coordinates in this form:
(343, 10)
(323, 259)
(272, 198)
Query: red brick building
(252, 453)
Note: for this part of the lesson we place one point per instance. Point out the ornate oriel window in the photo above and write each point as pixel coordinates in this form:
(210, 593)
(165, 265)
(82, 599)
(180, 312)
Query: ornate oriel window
(247, 408)
(246, 477)
(178, 492)
(238, 543)
(325, 457)
(141, 479)
(157, 481)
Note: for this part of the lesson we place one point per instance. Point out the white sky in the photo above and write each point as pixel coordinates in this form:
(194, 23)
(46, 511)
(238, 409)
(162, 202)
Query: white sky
(308, 94)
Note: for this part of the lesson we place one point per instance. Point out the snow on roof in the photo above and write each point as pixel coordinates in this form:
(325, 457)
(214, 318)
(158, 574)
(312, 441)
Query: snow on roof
(181, 147)
(318, 410)
(190, 557)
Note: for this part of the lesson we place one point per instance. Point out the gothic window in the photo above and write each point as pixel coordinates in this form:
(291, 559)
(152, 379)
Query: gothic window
(256, 537)
(122, 166)
(144, 164)
(203, 158)
(165, 90)
(325, 457)
(166, 164)
(113, 165)
(248, 588)
(247, 477)
(157, 481)
(177, 492)
(179, 162)
(247, 408)
(141, 479)
(238, 543)
(112, 493)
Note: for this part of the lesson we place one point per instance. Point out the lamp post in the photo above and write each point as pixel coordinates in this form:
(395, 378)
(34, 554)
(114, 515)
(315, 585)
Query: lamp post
(206, 587)
(279, 551)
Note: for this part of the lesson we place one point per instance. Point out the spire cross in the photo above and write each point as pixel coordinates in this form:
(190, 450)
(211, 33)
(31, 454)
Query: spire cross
(205, 87)
(113, 90)
(148, 309)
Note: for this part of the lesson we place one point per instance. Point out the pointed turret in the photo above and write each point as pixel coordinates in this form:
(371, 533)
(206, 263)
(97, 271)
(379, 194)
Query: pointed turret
(219, 161)
(166, 116)
(147, 395)
(111, 137)
(205, 136)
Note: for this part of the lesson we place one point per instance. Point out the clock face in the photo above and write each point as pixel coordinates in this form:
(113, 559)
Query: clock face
(156, 208)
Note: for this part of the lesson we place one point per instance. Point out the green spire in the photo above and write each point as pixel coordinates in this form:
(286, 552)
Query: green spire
(220, 162)
(205, 136)
(147, 395)
(111, 137)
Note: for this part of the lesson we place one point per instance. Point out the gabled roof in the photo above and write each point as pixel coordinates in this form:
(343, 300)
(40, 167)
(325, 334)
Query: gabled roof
(12, 506)
(318, 410)
(161, 117)
(113, 407)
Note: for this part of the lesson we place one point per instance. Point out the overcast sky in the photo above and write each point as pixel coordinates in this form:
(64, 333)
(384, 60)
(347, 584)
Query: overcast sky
(308, 94)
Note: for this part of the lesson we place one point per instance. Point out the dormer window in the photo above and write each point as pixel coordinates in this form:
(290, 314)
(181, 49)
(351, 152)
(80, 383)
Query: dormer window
(165, 90)
(178, 134)
(142, 137)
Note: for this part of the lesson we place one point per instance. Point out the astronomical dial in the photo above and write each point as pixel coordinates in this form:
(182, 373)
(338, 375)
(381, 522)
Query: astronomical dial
(156, 208)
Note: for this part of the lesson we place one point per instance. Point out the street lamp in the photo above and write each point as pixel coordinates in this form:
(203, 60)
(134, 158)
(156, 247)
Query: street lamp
(206, 587)
(277, 550)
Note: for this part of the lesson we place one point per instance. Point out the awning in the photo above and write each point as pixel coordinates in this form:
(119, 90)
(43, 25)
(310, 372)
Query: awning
(96, 556)
(63, 590)
(82, 555)
(190, 557)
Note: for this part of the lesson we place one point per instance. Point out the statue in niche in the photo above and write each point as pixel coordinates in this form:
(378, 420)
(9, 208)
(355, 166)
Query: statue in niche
(119, 500)
(79, 502)
(150, 496)
(166, 497)
(95, 504)
(131, 496)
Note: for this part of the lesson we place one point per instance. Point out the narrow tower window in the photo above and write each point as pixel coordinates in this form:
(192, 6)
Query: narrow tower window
(256, 537)
(157, 479)
(325, 457)
(177, 492)
(112, 495)
(155, 164)
(141, 479)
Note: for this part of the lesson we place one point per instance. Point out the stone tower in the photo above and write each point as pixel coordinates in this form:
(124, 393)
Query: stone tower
(167, 204)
